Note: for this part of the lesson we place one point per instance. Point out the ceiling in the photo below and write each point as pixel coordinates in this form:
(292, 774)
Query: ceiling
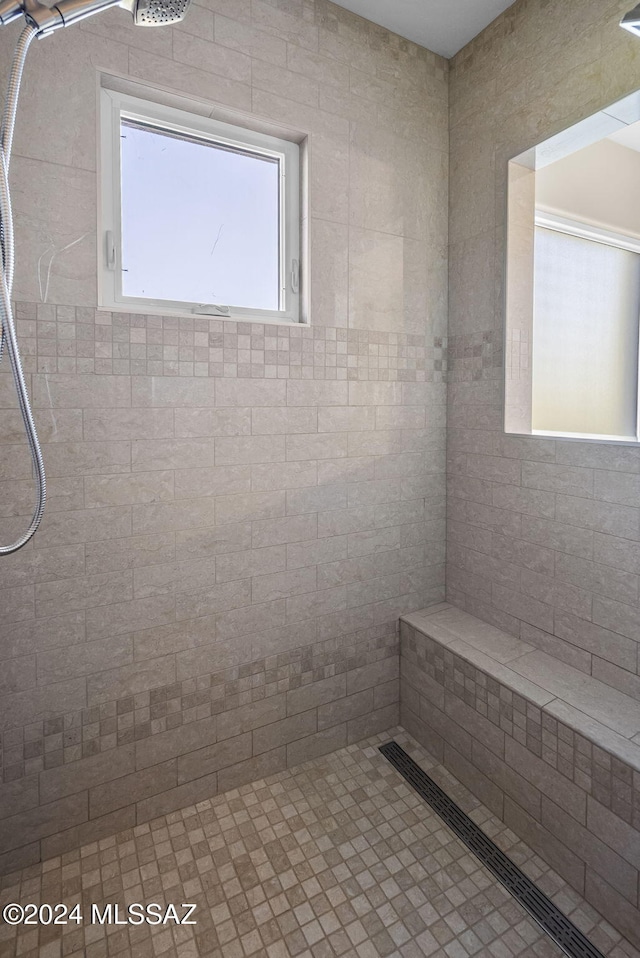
(443, 26)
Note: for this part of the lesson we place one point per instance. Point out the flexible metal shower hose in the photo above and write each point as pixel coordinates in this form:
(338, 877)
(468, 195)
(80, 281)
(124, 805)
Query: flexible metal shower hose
(7, 256)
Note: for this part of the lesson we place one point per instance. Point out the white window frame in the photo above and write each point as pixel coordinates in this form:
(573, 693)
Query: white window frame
(114, 107)
(597, 234)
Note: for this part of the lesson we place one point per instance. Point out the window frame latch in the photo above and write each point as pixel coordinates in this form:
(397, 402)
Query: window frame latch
(295, 275)
(110, 249)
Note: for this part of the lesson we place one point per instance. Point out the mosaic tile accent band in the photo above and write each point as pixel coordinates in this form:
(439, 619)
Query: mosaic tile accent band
(67, 738)
(475, 356)
(70, 339)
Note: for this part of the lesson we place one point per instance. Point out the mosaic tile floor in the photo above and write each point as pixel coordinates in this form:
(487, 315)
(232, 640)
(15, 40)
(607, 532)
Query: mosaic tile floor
(337, 857)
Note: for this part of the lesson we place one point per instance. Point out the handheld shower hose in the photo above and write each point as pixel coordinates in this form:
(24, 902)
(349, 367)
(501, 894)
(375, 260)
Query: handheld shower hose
(7, 263)
(43, 20)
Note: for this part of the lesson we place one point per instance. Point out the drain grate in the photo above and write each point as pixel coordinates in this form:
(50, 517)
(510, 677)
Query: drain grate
(541, 908)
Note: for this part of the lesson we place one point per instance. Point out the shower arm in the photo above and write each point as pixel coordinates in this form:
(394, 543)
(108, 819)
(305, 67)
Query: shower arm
(47, 19)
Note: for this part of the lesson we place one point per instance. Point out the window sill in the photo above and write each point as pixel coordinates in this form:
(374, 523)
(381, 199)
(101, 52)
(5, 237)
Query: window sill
(151, 310)
(574, 437)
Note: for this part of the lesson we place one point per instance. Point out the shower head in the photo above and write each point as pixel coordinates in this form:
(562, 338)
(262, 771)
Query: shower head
(631, 21)
(146, 13)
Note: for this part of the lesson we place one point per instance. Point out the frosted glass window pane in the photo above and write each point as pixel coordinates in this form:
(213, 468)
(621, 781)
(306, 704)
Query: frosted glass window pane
(585, 336)
(200, 223)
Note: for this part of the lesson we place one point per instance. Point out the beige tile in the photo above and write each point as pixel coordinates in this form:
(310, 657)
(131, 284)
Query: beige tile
(115, 555)
(24, 708)
(271, 532)
(158, 454)
(87, 458)
(345, 709)
(21, 638)
(43, 821)
(212, 656)
(212, 758)
(249, 449)
(165, 802)
(322, 743)
(267, 615)
(606, 705)
(130, 679)
(201, 53)
(616, 616)
(123, 490)
(608, 827)
(279, 585)
(376, 296)
(476, 781)
(316, 499)
(268, 477)
(18, 796)
(189, 79)
(172, 391)
(255, 505)
(57, 783)
(194, 422)
(477, 725)
(330, 240)
(120, 423)
(316, 446)
(254, 392)
(154, 518)
(68, 595)
(316, 551)
(256, 561)
(369, 676)
(108, 620)
(240, 36)
(53, 390)
(276, 421)
(89, 526)
(602, 896)
(317, 393)
(164, 746)
(515, 786)
(268, 737)
(56, 665)
(610, 866)
(234, 776)
(373, 722)
(248, 717)
(94, 830)
(314, 604)
(213, 540)
(557, 854)
(317, 694)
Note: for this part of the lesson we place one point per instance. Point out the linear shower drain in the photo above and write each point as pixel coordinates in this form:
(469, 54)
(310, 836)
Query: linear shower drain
(569, 938)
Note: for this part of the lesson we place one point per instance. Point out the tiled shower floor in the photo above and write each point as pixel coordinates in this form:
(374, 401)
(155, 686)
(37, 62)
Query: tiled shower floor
(337, 857)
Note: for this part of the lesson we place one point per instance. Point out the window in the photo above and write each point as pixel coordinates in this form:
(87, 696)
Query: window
(572, 282)
(198, 216)
(585, 331)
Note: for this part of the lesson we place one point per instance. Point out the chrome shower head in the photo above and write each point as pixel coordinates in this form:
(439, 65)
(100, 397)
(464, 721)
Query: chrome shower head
(146, 13)
(631, 21)
(157, 13)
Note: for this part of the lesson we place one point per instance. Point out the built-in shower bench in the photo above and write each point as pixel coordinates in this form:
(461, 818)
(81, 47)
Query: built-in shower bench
(552, 751)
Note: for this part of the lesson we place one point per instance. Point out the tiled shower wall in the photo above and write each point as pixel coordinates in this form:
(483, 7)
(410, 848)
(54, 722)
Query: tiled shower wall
(237, 513)
(543, 536)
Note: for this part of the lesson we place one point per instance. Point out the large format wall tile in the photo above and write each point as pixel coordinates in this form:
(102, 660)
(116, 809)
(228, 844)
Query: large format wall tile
(238, 512)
